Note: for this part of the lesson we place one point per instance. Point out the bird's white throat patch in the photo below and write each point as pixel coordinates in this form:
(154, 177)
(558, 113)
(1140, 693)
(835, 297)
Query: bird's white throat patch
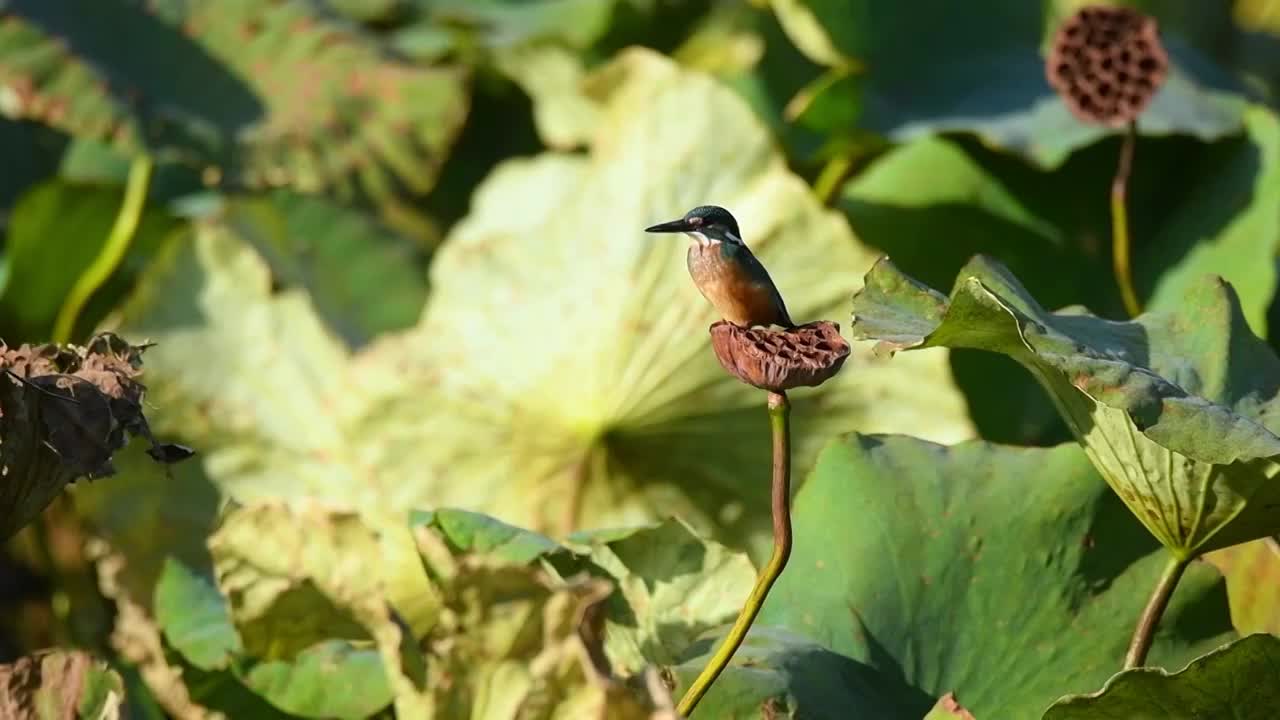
(702, 239)
(705, 241)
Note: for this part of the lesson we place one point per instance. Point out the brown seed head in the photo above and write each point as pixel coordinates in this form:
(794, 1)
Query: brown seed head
(1107, 63)
(65, 411)
(779, 360)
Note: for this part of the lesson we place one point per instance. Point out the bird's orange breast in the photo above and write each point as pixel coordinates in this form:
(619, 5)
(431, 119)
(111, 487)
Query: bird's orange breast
(728, 285)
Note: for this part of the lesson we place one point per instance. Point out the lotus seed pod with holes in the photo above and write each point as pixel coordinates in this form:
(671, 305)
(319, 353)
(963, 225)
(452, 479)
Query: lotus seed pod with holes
(779, 360)
(1107, 63)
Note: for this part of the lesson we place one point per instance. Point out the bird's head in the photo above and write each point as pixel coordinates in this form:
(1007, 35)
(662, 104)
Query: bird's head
(705, 223)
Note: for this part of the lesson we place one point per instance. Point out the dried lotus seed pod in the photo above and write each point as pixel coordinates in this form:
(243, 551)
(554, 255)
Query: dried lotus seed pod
(778, 360)
(1107, 63)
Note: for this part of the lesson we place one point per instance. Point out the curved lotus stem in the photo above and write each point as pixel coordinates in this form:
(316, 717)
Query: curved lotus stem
(1120, 225)
(113, 251)
(780, 422)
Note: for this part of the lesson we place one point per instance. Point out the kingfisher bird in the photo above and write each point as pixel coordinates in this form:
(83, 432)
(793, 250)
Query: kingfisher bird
(725, 271)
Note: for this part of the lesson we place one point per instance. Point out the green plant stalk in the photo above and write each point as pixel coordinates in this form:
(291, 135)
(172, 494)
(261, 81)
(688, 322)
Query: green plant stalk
(1145, 632)
(113, 251)
(780, 424)
(1120, 256)
(832, 178)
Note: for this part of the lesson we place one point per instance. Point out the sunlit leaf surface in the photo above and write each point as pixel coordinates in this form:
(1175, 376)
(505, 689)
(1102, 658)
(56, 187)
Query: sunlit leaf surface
(561, 376)
(299, 616)
(1176, 409)
(1008, 576)
(933, 203)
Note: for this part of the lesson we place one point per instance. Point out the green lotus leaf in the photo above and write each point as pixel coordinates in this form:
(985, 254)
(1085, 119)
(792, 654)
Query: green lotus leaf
(562, 375)
(296, 610)
(670, 584)
(473, 532)
(1175, 409)
(217, 87)
(777, 673)
(58, 683)
(363, 279)
(331, 678)
(933, 203)
(1214, 232)
(674, 584)
(310, 600)
(1237, 681)
(195, 618)
(324, 678)
(935, 69)
(1004, 575)
(156, 675)
(508, 637)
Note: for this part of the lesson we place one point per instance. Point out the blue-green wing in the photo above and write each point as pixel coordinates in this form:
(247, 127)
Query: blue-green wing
(761, 277)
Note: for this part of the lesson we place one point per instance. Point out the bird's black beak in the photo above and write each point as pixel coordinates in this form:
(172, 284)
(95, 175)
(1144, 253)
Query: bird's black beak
(674, 226)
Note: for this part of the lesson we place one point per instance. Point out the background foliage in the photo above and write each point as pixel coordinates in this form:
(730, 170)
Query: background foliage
(463, 447)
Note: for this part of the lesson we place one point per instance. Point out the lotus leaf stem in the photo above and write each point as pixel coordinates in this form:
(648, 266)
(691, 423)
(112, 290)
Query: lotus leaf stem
(832, 178)
(1145, 632)
(1120, 259)
(112, 253)
(780, 423)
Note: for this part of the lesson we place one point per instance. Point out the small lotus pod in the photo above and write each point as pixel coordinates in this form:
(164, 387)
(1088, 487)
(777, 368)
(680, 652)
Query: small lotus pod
(778, 360)
(1107, 63)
